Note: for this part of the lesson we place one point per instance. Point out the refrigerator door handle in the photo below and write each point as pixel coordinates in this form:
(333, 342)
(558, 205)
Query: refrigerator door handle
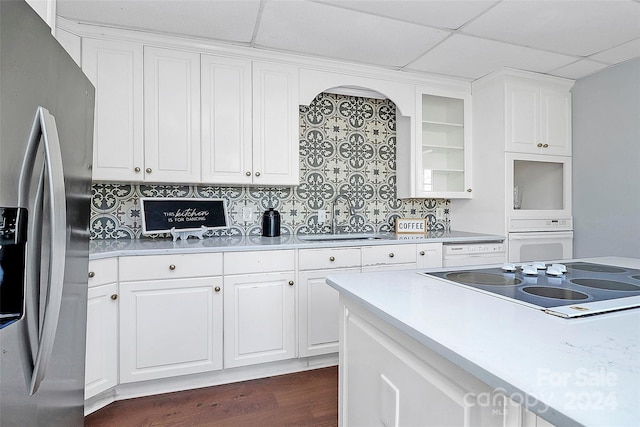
(44, 129)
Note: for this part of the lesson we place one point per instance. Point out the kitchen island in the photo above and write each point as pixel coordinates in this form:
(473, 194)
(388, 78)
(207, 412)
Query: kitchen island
(415, 350)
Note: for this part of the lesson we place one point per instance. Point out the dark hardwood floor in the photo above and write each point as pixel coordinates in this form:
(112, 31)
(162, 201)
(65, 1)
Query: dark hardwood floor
(307, 398)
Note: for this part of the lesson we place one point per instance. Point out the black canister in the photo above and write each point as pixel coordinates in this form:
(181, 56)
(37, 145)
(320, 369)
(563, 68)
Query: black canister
(271, 223)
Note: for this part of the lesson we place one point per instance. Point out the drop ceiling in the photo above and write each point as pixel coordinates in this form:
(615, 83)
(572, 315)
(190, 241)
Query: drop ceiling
(462, 39)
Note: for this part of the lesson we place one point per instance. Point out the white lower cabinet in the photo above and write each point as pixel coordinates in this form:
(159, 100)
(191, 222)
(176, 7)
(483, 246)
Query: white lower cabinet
(389, 257)
(318, 303)
(318, 312)
(155, 317)
(429, 255)
(101, 360)
(170, 326)
(259, 307)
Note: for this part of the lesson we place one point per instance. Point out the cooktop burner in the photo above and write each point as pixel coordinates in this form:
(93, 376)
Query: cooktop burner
(555, 293)
(584, 289)
(611, 285)
(480, 278)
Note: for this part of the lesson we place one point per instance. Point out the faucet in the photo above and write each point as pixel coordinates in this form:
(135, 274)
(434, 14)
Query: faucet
(334, 220)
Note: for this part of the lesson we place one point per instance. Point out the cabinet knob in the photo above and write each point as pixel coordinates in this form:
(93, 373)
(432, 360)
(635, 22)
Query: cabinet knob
(332, 258)
(257, 173)
(391, 255)
(217, 289)
(172, 267)
(92, 274)
(247, 173)
(421, 253)
(290, 282)
(469, 190)
(545, 146)
(148, 170)
(136, 169)
(114, 297)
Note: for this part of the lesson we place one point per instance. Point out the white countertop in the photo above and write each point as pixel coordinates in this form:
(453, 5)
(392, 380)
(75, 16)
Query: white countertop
(111, 248)
(571, 371)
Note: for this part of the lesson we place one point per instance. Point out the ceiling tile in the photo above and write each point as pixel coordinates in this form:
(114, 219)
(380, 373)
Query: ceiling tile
(227, 20)
(472, 58)
(570, 27)
(554, 36)
(579, 69)
(620, 53)
(327, 31)
(440, 14)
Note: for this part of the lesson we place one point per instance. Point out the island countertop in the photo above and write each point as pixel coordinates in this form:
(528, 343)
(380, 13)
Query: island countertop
(582, 371)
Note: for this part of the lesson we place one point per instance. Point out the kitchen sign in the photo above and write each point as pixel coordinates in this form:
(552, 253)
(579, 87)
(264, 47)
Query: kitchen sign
(411, 226)
(182, 216)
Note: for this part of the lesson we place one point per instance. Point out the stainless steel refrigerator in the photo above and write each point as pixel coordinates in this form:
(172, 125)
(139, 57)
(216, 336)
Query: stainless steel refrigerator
(46, 128)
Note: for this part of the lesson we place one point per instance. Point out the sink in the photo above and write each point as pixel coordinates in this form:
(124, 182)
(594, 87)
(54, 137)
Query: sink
(342, 237)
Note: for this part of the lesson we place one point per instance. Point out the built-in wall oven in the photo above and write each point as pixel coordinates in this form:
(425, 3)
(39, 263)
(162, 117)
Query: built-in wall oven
(540, 239)
(540, 246)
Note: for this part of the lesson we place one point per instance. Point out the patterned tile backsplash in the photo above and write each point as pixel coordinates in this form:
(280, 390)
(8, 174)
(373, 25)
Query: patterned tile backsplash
(347, 146)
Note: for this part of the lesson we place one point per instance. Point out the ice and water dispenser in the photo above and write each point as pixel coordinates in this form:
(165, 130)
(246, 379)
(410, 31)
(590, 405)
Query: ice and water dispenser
(13, 240)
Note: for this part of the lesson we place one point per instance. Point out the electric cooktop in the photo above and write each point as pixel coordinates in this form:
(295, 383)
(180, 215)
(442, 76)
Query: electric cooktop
(572, 289)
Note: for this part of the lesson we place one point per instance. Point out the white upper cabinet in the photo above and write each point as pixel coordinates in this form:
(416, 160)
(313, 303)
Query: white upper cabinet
(115, 69)
(147, 123)
(177, 116)
(538, 118)
(226, 120)
(72, 43)
(275, 124)
(47, 11)
(171, 115)
(173, 110)
(249, 122)
(436, 163)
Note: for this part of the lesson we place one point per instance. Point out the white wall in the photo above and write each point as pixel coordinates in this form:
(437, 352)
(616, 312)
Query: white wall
(606, 162)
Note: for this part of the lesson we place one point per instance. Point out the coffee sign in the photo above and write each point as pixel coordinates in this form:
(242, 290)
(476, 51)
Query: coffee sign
(164, 215)
(411, 226)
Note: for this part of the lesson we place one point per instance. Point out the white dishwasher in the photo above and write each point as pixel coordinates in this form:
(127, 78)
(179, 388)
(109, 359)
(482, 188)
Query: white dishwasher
(478, 253)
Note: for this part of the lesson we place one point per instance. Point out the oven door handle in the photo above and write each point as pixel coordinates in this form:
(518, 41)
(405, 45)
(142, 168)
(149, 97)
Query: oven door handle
(540, 235)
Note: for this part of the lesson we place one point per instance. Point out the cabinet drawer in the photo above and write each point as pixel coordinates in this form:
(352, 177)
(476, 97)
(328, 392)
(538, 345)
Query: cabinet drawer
(429, 255)
(150, 267)
(103, 271)
(258, 262)
(318, 259)
(389, 254)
